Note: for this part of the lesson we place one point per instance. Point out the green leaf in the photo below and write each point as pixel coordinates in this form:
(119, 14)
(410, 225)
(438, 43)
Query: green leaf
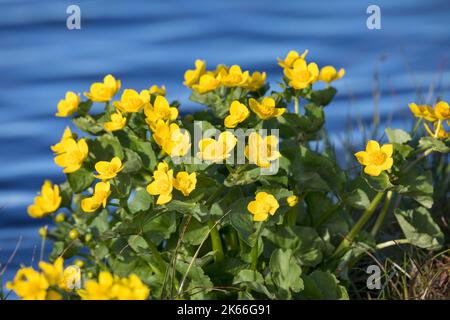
(242, 178)
(379, 183)
(161, 227)
(418, 186)
(252, 280)
(133, 162)
(141, 201)
(285, 272)
(433, 144)
(66, 194)
(323, 97)
(88, 124)
(397, 135)
(195, 232)
(105, 148)
(241, 220)
(84, 107)
(321, 285)
(80, 180)
(419, 228)
(358, 199)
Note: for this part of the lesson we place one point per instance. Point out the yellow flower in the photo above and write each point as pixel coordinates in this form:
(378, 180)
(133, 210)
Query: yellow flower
(234, 77)
(442, 110)
(291, 57)
(261, 151)
(162, 184)
(238, 113)
(69, 105)
(329, 74)
(108, 170)
(191, 77)
(266, 109)
(376, 159)
(442, 134)
(103, 91)
(130, 288)
(423, 111)
(60, 217)
(117, 122)
(263, 205)
(46, 202)
(185, 182)
(53, 272)
(171, 139)
(217, 151)
(71, 277)
(256, 81)
(73, 234)
(102, 191)
(100, 290)
(29, 284)
(160, 110)
(59, 147)
(160, 91)
(292, 200)
(73, 155)
(132, 101)
(302, 74)
(207, 83)
(43, 231)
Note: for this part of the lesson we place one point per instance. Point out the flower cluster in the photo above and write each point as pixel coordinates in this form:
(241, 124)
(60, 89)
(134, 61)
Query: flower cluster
(437, 115)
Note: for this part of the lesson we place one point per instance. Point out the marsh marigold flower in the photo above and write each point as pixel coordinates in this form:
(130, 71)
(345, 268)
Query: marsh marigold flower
(185, 182)
(292, 200)
(423, 111)
(108, 169)
(69, 105)
(102, 191)
(302, 74)
(192, 76)
(118, 121)
(263, 205)
(59, 147)
(162, 184)
(46, 202)
(291, 57)
(172, 139)
(375, 159)
(217, 150)
(442, 110)
(234, 77)
(160, 110)
(73, 155)
(256, 81)
(329, 74)
(159, 91)
(206, 84)
(103, 91)
(265, 109)
(238, 113)
(261, 151)
(132, 101)
(29, 284)
(53, 272)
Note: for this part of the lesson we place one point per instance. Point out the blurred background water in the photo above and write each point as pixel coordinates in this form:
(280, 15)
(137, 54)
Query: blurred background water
(153, 42)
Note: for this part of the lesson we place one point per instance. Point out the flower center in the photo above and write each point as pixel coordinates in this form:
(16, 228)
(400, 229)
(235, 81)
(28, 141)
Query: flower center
(377, 158)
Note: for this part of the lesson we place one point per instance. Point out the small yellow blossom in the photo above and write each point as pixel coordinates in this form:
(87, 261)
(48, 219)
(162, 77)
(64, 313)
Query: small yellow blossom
(172, 139)
(73, 156)
(423, 111)
(217, 151)
(117, 122)
(60, 217)
(160, 110)
(103, 91)
(132, 101)
(71, 277)
(130, 288)
(46, 202)
(302, 74)
(43, 231)
(256, 81)
(69, 105)
(59, 147)
(185, 182)
(162, 184)
(29, 284)
(376, 159)
(159, 91)
(108, 170)
(102, 191)
(238, 113)
(265, 109)
(192, 77)
(292, 200)
(53, 272)
(442, 110)
(234, 77)
(73, 234)
(328, 74)
(206, 84)
(98, 290)
(261, 151)
(291, 57)
(263, 205)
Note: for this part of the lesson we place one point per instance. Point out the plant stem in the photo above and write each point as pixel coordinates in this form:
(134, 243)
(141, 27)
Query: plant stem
(438, 128)
(254, 255)
(359, 225)
(420, 158)
(417, 126)
(216, 242)
(391, 243)
(296, 105)
(384, 210)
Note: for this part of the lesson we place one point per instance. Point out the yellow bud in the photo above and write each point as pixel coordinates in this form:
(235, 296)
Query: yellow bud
(43, 231)
(292, 200)
(73, 234)
(88, 237)
(79, 263)
(60, 217)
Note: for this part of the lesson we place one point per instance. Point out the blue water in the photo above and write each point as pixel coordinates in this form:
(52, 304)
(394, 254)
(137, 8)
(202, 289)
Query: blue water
(154, 42)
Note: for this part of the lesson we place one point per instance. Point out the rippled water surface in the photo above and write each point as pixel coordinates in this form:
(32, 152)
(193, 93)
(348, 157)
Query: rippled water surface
(154, 42)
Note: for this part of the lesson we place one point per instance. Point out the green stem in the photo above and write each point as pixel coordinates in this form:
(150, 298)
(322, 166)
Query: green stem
(417, 126)
(391, 243)
(254, 255)
(384, 210)
(216, 242)
(415, 162)
(296, 105)
(438, 128)
(359, 225)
